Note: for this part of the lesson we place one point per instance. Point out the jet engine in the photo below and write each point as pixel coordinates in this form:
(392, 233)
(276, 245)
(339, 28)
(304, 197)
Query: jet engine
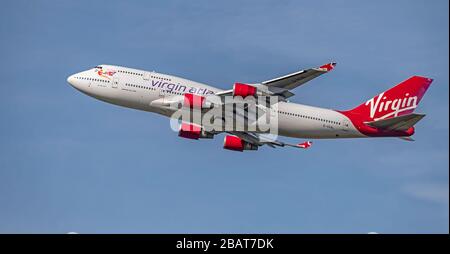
(235, 143)
(192, 131)
(244, 90)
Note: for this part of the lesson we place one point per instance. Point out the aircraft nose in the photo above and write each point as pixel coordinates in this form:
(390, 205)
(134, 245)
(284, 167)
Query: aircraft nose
(71, 79)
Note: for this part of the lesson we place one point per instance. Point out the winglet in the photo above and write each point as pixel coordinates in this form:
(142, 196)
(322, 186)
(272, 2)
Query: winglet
(328, 67)
(305, 145)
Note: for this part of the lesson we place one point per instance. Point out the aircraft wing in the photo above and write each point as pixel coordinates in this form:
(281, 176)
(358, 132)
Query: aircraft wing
(267, 139)
(293, 80)
(281, 86)
(258, 138)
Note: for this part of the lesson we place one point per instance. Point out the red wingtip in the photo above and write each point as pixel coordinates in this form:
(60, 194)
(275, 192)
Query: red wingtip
(305, 145)
(328, 66)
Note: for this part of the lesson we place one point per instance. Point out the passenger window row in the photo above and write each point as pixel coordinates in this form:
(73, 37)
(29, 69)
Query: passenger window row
(93, 79)
(174, 93)
(150, 88)
(167, 79)
(309, 117)
(131, 73)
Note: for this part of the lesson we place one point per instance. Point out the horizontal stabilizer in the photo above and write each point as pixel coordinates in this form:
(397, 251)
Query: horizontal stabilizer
(406, 138)
(399, 123)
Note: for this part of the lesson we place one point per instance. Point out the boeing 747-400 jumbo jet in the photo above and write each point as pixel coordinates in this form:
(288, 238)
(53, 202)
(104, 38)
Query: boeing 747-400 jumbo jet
(388, 114)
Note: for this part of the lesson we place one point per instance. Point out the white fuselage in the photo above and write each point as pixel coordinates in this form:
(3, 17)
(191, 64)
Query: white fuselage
(137, 89)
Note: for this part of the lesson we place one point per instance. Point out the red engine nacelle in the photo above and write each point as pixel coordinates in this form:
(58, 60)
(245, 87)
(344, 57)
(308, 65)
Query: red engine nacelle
(193, 101)
(193, 131)
(244, 90)
(237, 144)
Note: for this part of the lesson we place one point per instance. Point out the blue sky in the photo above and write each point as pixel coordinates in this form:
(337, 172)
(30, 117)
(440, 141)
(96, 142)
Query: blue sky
(71, 163)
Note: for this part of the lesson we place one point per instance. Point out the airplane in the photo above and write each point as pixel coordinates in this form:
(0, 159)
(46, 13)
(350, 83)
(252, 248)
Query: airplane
(388, 114)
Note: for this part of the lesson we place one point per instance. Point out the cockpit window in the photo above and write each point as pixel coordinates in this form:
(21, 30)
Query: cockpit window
(98, 67)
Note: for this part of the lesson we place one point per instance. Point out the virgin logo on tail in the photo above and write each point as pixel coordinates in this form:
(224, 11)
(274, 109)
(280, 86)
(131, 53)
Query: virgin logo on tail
(391, 107)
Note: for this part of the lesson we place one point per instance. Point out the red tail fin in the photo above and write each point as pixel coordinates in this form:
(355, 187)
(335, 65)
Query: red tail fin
(400, 100)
